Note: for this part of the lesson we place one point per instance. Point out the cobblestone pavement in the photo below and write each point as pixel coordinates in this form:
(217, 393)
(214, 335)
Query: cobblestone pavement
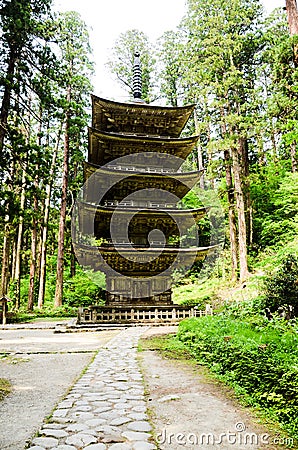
(106, 408)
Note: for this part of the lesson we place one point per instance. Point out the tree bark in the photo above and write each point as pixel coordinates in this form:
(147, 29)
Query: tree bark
(292, 13)
(232, 218)
(199, 151)
(293, 157)
(5, 106)
(240, 204)
(61, 233)
(32, 270)
(5, 256)
(44, 231)
(17, 273)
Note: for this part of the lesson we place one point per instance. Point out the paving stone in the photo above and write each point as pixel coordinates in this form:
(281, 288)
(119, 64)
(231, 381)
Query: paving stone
(82, 403)
(106, 404)
(66, 404)
(138, 416)
(45, 442)
(83, 415)
(95, 422)
(54, 433)
(96, 447)
(77, 427)
(112, 438)
(139, 426)
(121, 421)
(53, 426)
(102, 409)
(65, 447)
(121, 405)
(36, 447)
(136, 435)
(60, 413)
(140, 408)
(143, 446)
(80, 440)
(120, 447)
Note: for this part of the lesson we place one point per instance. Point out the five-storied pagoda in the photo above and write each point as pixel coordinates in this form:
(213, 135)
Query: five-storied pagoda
(130, 219)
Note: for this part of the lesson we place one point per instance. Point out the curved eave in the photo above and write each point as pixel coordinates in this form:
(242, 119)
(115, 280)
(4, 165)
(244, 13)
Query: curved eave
(125, 251)
(106, 113)
(105, 147)
(184, 254)
(132, 137)
(89, 208)
(187, 178)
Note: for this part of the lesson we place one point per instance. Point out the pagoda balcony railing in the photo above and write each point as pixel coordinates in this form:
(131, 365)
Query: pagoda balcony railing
(141, 169)
(132, 203)
(109, 243)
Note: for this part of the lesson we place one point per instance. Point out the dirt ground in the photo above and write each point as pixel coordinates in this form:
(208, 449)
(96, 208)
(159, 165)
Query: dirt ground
(187, 410)
(41, 367)
(190, 410)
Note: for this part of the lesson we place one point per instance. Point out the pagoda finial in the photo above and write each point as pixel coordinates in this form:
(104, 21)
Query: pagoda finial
(137, 77)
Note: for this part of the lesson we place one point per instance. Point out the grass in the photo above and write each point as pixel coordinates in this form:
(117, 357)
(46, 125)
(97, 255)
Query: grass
(5, 388)
(171, 348)
(166, 345)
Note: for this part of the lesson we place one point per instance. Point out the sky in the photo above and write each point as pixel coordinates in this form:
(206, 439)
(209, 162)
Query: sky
(107, 19)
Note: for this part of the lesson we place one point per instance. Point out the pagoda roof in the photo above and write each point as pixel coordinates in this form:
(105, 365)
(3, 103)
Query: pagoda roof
(119, 184)
(91, 208)
(169, 221)
(141, 262)
(105, 147)
(140, 118)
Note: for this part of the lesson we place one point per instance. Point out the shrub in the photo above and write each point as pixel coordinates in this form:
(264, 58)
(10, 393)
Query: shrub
(261, 364)
(281, 287)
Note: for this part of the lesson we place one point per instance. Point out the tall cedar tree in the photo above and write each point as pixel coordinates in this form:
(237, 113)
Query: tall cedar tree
(221, 42)
(75, 53)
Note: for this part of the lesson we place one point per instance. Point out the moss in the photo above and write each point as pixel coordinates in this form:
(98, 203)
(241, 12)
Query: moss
(5, 388)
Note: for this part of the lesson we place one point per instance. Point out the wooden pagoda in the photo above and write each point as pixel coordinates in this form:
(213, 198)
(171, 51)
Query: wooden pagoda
(130, 210)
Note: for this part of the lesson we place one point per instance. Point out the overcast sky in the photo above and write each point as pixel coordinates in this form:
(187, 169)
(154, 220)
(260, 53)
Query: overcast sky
(106, 19)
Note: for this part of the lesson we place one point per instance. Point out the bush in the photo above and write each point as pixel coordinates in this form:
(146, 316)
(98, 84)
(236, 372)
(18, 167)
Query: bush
(281, 288)
(260, 364)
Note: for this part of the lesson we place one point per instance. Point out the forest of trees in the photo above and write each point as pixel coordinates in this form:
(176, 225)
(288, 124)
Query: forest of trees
(240, 68)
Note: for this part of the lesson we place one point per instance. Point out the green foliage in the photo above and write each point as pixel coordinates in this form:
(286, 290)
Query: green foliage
(276, 218)
(47, 312)
(5, 388)
(82, 291)
(281, 288)
(122, 61)
(259, 360)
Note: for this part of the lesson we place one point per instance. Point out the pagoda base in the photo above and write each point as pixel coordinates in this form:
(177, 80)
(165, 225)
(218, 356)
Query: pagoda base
(119, 299)
(140, 314)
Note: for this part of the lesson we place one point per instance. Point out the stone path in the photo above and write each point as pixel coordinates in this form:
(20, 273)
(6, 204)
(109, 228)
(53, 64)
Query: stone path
(106, 408)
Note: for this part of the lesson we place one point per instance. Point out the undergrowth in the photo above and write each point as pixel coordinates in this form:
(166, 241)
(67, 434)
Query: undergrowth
(257, 357)
(5, 388)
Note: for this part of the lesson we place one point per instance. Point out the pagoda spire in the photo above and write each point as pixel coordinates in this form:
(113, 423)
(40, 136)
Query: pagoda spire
(137, 78)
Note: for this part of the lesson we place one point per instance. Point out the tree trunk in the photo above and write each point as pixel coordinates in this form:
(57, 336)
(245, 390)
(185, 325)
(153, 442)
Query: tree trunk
(5, 106)
(199, 151)
(17, 273)
(293, 157)
(243, 155)
(232, 218)
(5, 256)
(61, 233)
(292, 13)
(44, 232)
(72, 262)
(240, 204)
(33, 258)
